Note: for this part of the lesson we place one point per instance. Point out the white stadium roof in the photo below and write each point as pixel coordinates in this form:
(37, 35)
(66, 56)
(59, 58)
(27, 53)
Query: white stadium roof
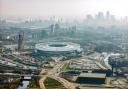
(58, 46)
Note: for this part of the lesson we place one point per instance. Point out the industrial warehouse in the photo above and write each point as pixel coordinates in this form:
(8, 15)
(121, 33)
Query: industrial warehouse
(84, 70)
(58, 49)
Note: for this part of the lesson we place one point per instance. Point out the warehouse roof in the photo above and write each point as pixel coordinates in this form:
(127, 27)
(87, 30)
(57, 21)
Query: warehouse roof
(92, 75)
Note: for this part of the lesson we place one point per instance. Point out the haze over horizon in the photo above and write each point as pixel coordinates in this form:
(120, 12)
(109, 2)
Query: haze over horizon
(62, 8)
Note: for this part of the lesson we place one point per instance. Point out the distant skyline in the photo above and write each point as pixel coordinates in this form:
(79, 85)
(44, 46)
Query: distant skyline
(62, 8)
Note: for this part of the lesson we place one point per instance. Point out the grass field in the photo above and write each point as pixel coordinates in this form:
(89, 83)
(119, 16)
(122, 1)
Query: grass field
(52, 84)
(65, 67)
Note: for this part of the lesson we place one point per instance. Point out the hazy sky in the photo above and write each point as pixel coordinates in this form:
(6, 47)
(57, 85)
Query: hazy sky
(62, 7)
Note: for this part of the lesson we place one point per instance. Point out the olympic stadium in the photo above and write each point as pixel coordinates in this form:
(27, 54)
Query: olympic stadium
(58, 49)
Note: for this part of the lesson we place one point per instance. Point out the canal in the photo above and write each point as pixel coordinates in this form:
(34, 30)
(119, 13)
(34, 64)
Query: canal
(24, 83)
(20, 83)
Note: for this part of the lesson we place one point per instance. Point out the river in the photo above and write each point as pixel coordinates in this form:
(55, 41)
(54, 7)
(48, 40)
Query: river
(24, 83)
(107, 57)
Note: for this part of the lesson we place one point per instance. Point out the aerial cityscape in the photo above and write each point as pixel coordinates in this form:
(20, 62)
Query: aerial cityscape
(63, 50)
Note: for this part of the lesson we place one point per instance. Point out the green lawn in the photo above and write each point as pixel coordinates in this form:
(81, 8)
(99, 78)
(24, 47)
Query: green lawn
(53, 84)
(65, 67)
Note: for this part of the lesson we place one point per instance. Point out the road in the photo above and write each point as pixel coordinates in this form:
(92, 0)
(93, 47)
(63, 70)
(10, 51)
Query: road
(41, 83)
(54, 73)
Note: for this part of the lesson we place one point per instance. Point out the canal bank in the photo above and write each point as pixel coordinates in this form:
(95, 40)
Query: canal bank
(21, 83)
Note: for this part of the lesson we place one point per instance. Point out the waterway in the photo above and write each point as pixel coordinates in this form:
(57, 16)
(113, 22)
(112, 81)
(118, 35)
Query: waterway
(16, 84)
(24, 84)
(20, 84)
(107, 57)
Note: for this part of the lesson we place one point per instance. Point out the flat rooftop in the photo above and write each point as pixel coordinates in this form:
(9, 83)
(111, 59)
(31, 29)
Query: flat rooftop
(92, 75)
